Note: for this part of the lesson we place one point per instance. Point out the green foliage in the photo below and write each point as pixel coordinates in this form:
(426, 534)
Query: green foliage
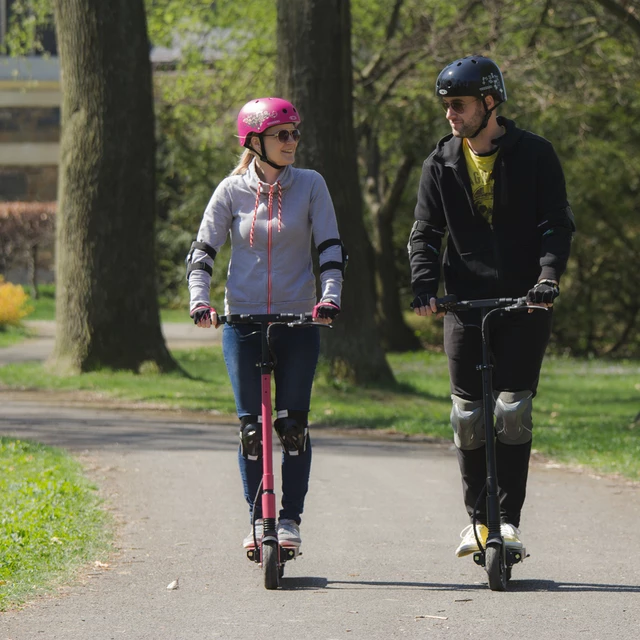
(29, 17)
(572, 72)
(588, 106)
(50, 519)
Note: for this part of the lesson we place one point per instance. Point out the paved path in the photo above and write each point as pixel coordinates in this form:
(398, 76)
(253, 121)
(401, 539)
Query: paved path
(178, 335)
(381, 524)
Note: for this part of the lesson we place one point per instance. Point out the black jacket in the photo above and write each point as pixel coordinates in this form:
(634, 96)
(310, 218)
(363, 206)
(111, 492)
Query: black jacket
(530, 235)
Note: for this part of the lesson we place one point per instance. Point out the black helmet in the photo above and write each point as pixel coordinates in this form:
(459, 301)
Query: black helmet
(472, 76)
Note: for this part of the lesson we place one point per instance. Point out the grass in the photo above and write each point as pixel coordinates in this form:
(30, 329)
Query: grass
(585, 412)
(588, 412)
(44, 307)
(50, 520)
(12, 335)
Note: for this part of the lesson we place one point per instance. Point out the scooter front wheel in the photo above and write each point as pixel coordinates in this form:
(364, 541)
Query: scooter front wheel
(270, 566)
(496, 567)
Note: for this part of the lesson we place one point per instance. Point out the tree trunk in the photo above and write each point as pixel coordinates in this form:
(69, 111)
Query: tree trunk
(314, 71)
(106, 309)
(32, 270)
(396, 334)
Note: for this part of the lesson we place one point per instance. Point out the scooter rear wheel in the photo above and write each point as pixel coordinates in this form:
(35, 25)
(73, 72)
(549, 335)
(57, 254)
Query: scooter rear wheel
(270, 566)
(496, 567)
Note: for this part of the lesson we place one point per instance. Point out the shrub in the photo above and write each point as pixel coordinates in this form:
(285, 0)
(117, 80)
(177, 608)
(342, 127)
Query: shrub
(13, 304)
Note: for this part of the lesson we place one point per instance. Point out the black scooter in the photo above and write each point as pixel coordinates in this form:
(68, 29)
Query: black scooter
(494, 556)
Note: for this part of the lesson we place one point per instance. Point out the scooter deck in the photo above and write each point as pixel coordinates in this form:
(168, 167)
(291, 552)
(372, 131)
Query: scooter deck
(286, 553)
(513, 556)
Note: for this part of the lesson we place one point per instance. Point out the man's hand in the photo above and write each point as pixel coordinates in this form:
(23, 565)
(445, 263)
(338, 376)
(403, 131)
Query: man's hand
(544, 293)
(424, 304)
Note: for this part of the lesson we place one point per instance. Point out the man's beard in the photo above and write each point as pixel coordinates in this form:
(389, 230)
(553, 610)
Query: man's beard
(471, 127)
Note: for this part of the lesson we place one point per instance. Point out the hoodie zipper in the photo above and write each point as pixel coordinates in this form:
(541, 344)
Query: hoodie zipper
(499, 187)
(269, 245)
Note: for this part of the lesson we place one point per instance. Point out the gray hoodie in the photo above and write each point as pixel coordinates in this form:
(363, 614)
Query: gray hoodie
(271, 228)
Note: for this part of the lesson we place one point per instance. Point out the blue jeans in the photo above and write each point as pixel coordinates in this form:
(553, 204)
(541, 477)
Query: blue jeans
(296, 350)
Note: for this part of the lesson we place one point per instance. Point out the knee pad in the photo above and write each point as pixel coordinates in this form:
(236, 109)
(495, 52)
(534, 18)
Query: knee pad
(292, 430)
(467, 420)
(251, 437)
(514, 423)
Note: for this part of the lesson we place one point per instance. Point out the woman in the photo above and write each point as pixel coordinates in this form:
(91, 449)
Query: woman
(271, 211)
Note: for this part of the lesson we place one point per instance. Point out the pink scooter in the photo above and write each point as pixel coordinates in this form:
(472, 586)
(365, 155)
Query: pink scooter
(267, 551)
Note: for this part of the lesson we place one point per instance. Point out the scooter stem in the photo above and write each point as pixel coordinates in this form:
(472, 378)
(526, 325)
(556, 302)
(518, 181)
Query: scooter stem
(268, 495)
(493, 501)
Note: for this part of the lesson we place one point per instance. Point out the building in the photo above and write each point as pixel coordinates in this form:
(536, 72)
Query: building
(30, 101)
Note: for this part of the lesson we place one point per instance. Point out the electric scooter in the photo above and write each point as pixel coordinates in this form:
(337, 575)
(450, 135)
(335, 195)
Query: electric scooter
(494, 555)
(267, 551)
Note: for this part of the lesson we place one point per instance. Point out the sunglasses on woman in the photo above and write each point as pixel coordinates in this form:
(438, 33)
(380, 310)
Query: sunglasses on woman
(284, 134)
(458, 106)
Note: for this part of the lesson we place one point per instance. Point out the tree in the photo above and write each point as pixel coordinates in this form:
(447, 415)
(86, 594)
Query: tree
(314, 71)
(106, 309)
(627, 11)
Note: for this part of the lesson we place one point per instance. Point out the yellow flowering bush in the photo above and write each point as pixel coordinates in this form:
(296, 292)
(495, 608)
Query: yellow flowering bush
(13, 304)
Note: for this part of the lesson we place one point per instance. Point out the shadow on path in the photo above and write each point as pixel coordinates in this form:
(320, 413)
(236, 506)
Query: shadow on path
(82, 428)
(514, 585)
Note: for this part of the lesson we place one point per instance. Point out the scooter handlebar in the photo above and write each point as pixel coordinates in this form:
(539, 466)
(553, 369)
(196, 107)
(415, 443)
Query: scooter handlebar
(451, 303)
(259, 318)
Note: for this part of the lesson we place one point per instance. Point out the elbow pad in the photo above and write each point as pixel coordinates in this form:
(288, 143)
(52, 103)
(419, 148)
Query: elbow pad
(196, 266)
(333, 264)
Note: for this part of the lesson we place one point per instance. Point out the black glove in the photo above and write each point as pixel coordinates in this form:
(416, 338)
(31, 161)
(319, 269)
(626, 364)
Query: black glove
(545, 291)
(422, 300)
(199, 313)
(326, 309)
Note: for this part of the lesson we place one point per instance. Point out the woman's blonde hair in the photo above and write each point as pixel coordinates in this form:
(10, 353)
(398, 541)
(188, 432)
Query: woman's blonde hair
(243, 164)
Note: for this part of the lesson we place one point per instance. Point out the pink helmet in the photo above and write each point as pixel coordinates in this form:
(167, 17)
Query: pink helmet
(258, 115)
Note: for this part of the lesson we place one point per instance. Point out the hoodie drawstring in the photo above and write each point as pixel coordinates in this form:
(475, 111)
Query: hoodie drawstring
(269, 208)
(255, 214)
(279, 206)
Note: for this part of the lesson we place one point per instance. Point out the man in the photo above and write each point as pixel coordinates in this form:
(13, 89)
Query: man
(499, 192)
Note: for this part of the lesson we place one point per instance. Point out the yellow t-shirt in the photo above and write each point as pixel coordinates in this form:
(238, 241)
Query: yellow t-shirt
(480, 170)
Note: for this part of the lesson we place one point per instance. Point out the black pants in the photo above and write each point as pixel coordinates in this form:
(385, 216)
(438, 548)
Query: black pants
(518, 342)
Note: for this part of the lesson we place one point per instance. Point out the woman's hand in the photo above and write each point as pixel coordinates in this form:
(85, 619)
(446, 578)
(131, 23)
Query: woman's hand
(325, 311)
(204, 317)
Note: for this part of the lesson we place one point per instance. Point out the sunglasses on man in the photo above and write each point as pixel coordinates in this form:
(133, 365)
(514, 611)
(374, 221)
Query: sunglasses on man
(284, 135)
(458, 106)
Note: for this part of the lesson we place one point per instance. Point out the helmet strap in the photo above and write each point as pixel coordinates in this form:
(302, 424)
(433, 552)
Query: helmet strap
(487, 115)
(263, 156)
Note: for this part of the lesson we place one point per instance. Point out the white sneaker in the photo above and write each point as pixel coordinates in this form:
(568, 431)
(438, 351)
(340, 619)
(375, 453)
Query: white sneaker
(511, 537)
(289, 533)
(248, 542)
(469, 544)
